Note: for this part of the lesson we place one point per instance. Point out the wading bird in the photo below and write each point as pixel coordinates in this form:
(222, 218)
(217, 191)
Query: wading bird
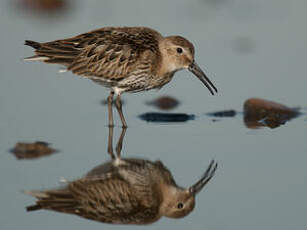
(124, 59)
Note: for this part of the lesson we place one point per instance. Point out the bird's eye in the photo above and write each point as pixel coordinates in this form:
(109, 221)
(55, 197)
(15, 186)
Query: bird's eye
(180, 206)
(179, 50)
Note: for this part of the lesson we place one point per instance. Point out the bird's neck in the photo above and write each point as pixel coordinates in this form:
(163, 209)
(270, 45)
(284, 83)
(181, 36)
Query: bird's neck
(167, 194)
(167, 67)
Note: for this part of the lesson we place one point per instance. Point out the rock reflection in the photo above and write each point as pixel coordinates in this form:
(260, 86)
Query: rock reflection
(263, 113)
(32, 150)
(223, 113)
(124, 191)
(166, 117)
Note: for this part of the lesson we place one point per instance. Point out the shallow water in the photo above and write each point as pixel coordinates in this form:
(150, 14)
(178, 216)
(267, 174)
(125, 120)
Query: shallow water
(247, 48)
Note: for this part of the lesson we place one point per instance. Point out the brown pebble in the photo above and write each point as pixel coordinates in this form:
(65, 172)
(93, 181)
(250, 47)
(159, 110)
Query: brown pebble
(34, 150)
(45, 5)
(259, 113)
(164, 102)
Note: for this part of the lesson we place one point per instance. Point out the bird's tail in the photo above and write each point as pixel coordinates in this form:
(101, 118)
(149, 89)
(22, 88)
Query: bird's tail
(35, 45)
(56, 52)
(60, 200)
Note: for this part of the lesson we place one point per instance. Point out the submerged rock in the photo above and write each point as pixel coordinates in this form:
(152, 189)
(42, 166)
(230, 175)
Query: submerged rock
(32, 150)
(259, 112)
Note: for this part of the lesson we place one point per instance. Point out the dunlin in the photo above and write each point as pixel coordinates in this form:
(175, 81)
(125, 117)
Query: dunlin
(124, 59)
(124, 191)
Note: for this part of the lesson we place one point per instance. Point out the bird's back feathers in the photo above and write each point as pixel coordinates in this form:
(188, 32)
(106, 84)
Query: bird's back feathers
(107, 54)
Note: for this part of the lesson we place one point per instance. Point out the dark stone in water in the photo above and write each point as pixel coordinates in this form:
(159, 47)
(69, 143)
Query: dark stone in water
(166, 117)
(224, 113)
(259, 113)
(32, 150)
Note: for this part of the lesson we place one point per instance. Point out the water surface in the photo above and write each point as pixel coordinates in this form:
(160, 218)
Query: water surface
(247, 48)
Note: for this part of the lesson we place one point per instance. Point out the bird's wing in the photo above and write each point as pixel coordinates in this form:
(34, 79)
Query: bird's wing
(61, 199)
(106, 198)
(112, 199)
(107, 54)
(110, 53)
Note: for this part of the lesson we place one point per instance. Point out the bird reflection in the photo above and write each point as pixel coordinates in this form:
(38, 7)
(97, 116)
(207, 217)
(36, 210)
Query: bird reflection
(124, 191)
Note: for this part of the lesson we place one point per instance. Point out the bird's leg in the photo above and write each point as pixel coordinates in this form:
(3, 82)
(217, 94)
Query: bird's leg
(110, 101)
(120, 142)
(110, 143)
(118, 104)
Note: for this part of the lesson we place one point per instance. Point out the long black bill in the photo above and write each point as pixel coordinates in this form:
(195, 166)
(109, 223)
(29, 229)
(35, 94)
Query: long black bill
(195, 69)
(197, 187)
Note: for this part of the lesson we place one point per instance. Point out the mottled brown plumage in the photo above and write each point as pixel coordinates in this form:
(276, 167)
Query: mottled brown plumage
(124, 191)
(124, 59)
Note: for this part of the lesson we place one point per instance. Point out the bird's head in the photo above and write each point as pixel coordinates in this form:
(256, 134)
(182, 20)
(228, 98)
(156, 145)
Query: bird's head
(178, 53)
(179, 202)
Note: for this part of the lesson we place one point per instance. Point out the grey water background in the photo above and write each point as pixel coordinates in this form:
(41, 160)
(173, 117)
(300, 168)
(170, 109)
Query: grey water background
(247, 48)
